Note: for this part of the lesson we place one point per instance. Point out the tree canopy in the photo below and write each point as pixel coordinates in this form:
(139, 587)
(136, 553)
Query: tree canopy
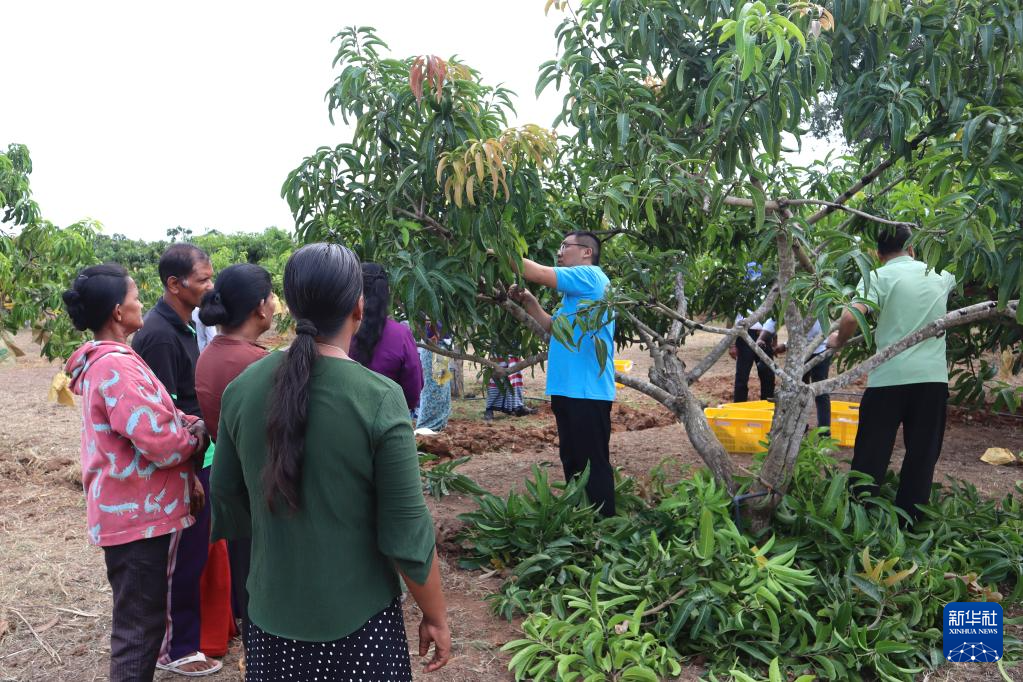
(679, 124)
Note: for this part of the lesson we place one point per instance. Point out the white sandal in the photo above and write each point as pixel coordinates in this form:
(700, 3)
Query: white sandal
(197, 657)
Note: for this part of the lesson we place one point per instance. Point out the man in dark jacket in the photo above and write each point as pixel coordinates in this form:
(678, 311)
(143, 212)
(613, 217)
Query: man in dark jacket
(168, 344)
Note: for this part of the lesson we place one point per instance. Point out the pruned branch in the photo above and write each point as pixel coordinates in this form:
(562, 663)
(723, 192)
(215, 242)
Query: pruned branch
(967, 315)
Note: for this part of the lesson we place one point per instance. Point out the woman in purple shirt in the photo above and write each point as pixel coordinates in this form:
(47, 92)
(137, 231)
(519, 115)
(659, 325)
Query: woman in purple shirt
(383, 345)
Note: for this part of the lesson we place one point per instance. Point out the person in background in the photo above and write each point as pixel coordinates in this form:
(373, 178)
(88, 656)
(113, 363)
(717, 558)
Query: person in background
(910, 389)
(242, 305)
(817, 373)
(203, 333)
(317, 463)
(138, 453)
(168, 345)
(506, 396)
(435, 400)
(383, 345)
(765, 334)
(581, 390)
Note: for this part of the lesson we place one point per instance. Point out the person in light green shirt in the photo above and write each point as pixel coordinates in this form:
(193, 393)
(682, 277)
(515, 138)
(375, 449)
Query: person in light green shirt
(317, 463)
(911, 388)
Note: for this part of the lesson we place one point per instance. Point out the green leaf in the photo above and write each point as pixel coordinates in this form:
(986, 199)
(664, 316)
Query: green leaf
(759, 205)
(623, 129)
(706, 534)
(969, 130)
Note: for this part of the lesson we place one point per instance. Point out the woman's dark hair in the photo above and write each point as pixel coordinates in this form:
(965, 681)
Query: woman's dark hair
(322, 285)
(239, 290)
(377, 293)
(93, 295)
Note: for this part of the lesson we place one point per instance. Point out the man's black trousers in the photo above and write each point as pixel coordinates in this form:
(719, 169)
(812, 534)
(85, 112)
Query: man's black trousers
(745, 358)
(920, 410)
(584, 437)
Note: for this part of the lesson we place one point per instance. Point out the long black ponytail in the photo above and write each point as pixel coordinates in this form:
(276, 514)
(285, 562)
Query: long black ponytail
(377, 293)
(322, 285)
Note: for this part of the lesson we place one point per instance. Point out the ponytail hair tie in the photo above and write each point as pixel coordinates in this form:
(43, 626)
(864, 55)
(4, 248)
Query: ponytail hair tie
(306, 327)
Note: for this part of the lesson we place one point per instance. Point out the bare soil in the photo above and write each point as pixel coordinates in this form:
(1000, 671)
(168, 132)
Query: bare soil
(55, 601)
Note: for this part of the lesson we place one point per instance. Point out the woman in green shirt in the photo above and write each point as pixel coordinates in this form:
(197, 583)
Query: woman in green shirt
(317, 463)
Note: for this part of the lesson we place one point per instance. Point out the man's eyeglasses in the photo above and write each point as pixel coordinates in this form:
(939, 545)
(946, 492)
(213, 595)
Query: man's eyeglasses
(565, 245)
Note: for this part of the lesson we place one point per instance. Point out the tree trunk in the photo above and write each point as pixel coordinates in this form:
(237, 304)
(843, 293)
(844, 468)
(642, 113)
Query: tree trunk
(791, 412)
(458, 380)
(669, 374)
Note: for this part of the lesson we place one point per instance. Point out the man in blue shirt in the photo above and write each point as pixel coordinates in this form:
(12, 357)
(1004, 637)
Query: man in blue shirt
(581, 390)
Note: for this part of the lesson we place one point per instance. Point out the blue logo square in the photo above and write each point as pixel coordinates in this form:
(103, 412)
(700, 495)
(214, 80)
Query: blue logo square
(973, 632)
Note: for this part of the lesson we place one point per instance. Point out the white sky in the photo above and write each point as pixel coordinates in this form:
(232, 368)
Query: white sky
(145, 116)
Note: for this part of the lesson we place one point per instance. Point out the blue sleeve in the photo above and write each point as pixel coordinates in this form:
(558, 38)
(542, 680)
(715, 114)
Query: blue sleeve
(585, 281)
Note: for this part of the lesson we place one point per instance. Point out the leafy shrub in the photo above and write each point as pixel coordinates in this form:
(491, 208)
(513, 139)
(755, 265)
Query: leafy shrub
(841, 591)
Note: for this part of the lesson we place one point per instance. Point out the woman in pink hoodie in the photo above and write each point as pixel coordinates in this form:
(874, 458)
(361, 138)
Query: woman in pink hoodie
(138, 465)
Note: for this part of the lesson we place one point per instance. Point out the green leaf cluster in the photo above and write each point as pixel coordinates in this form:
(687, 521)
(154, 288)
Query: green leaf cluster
(838, 589)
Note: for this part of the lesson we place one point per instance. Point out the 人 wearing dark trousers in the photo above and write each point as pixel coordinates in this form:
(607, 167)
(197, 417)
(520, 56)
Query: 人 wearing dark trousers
(137, 572)
(823, 401)
(744, 361)
(921, 411)
(584, 434)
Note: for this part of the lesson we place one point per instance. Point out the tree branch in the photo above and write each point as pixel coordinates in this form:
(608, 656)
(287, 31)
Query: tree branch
(421, 217)
(967, 315)
(728, 339)
(764, 357)
(645, 330)
(848, 194)
(646, 388)
(691, 324)
(854, 211)
(497, 369)
(677, 331)
(519, 313)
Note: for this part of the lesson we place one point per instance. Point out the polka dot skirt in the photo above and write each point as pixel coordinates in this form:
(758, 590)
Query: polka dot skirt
(378, 651)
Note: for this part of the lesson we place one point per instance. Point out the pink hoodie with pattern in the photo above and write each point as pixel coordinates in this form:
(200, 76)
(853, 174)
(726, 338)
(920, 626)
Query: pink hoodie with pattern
(136, 449)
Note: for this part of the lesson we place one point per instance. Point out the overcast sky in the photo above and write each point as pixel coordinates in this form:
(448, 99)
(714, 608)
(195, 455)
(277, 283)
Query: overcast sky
(145, 116)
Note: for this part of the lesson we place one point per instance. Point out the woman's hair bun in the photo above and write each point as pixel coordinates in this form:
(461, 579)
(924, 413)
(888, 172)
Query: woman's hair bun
(211, 310)
(94, 294)
(238, 291)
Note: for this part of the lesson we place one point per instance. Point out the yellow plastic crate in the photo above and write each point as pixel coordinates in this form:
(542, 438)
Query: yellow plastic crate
(623, 366)
(740, 429)
(741, 426)
(753, 405)
(845, 421)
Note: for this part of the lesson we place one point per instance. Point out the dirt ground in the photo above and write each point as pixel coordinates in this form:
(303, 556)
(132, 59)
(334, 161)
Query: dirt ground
(55, 601)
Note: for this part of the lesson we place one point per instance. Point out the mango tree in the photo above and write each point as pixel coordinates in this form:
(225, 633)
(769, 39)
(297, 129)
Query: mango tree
(37, 262)
(682, 116)
(431, 180)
